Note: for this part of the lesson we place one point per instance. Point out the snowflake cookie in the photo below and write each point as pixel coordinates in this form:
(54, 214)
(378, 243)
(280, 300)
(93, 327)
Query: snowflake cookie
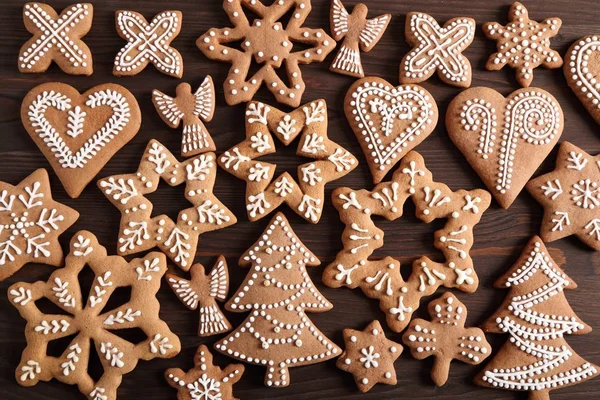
(436, 48)
(523, 44)
(90, 323)
(30, 223)
(381, 279)
(570, 196)
(79, 133)
(369, 356)
(202, 291)
(57, 38)
(582, 72)
(446, 338)
(359, 34)
(205, 381)
(178, 239)
(269, 42)
(264, 193)
(388, 121)
(148, 43)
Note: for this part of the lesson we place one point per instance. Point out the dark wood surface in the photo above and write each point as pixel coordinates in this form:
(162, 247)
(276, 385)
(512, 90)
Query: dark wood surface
(499, 238)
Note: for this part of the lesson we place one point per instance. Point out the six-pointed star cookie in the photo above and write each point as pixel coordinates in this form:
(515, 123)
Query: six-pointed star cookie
(205, 381)
(263, 193)
(139, 231)
(30, 223)
(570, 196)
(369, 356)
(523, 44)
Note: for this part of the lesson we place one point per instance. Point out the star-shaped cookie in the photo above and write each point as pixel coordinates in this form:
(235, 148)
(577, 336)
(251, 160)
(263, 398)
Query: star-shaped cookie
(369, 356)
(570, 196)
(523, 44)
(205, 381)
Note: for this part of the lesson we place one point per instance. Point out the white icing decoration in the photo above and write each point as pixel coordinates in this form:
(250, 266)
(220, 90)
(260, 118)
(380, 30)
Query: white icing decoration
(369, 358)
(54, 326)
(72, 359)
(30, 370)
(120, 317)
(309, 206)
(236, 159)
(112, 354)
(150, 267)
(561, 221)
(83, 246)
(160, 345)
(21, 296)
(311, 174)
(553, 189)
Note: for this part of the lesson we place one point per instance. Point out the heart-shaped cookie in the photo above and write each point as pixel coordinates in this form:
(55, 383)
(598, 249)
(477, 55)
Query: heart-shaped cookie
(504, 139)
(79, 133)
(388, 121)
(582, 70)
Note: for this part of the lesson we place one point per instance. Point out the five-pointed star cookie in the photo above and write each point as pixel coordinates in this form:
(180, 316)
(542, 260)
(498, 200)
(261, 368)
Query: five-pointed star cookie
(30, 223)
(205, 381)
(570, 196)
(369, 356)
(523, 44)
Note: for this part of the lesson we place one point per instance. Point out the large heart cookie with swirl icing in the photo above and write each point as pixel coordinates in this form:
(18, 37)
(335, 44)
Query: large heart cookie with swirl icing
(388, 121)
(582, 70)
(79, 133)
(504, 139)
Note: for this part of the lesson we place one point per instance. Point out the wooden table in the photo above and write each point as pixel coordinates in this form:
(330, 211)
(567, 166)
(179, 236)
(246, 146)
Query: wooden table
(499, 238)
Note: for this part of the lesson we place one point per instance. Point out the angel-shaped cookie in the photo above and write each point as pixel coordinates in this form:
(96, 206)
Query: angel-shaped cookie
(357, 31)
(192, 109)
(203, 290)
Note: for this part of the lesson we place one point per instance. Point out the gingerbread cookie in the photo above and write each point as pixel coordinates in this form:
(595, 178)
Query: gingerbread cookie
(205, 381)
(264, 193)
(79, 133)
(446, 338)
(388, 121)
(178, 239)
(582, 70)
(30, 223)
(148, 43)
(57, 38)
(381, 279)
(369, 356)
(189, 109)
(536, 315)
(277, 291)
(270, 43)
(90, 323)
(359, 34)
(436, 48)
(523, 44)
(505, 139)
(570, 196)
(203, 291)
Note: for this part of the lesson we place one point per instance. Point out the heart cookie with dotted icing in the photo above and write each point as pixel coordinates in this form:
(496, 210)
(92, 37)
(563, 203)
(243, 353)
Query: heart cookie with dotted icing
(79, 133)
(505, 139)
(388, 121)
(582, 70)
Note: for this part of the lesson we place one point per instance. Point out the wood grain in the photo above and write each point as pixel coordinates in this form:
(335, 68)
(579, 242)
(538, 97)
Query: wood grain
(499, 238)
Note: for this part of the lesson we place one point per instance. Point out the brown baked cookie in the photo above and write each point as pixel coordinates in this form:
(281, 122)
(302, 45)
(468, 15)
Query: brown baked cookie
(582, 70)
(269, 42)
(30, 223)
(359, 34)
(381, 278)
(369, 356)
(148, 43)
(189, 109)
(446, 338)
(388, 121)
(437, 49)
(505, 139)
(139, 231)
(205, 381)
(92, 326)
(264, 192)
(79, 133)
(536, 316)
(523, 44)
(57, 38)
(570, 196)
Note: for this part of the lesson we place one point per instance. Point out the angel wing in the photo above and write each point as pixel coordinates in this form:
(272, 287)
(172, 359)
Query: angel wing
(339, 19)
(373, 31)
(182, 288)
(204, 106)
(219, 280)
(166, 106)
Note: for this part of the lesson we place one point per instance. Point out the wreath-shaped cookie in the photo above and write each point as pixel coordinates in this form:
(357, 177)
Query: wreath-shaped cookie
(381, 279)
